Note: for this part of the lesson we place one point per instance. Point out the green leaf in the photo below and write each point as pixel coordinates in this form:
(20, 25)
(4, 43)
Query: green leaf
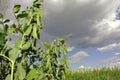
(65, 50)
(16, 75)
(42, 77)
(57, 72)
(18, 43)
(6, 21)
(1, 15)
(28, 30)
(66, 62)
(48, 62)
(36, 4)
(46, 46)
(16, 8)
(2, 36)
(34, 32)
(13, 54)
(22, 15)
(41, 13)
(11, 29)
(2, 31)
(38, 19)
(26, 46)
(34, 48)
(21, 71)
(6, 28)
(1, 22)
(8, 77)
(61, 62)
(62, 41)
(24, 27)
(32, 75)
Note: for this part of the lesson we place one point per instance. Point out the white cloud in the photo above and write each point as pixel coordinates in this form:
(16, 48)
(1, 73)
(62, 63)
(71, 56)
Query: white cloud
(75, 58)
(117, 54)
(71, 48)
(117, 64)
(109, 47)
(83, 1)
(54, 0)
(113, 61)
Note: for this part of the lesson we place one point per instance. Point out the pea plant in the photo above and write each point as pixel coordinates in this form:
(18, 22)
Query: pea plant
(25, 59)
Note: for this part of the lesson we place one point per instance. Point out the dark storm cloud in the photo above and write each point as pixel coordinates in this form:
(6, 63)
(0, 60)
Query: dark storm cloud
(80, 18)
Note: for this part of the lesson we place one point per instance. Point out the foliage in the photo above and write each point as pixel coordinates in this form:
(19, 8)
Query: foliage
(53, 63)
(25, 60)
(95, 74)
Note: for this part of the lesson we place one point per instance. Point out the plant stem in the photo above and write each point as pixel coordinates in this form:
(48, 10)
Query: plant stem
(6, 58)
(12, 70)
(12, 65)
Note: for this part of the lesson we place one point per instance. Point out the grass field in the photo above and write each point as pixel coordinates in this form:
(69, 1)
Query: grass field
(96, 74)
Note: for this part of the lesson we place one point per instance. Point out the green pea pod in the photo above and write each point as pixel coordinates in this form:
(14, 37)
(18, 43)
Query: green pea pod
(41, 11)
(34, 32)
(48, 62)
(38, 19)
(26, 46)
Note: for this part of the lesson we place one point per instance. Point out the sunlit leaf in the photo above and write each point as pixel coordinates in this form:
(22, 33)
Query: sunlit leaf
(41, 13)
(28, 30)
(46, 46)
(8, 77)
(18, 43)
(32, 75)
(48, 62)
(16, 75)
(66, 62)
(38, 19)
(21, 72)
(26, 46)
(61, 62)
(34, 32)
(11, 30)
(42, 76)
(65, 50)
(34, 48)
(13, 54)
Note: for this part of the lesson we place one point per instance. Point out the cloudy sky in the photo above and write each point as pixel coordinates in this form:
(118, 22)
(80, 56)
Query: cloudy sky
(93, 24)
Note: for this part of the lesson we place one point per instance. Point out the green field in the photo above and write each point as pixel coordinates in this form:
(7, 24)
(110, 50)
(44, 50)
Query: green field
(96, 74)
